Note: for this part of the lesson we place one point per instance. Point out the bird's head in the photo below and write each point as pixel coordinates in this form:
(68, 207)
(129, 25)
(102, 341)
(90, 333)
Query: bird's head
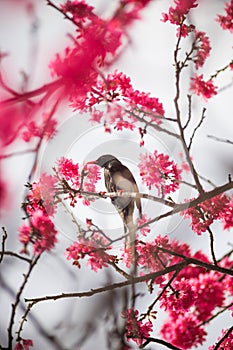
(103, 160)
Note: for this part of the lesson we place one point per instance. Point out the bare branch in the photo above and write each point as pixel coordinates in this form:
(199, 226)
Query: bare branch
(159, 341)
(4, 238)
(196, 128)
(217, 346)
(220, 139)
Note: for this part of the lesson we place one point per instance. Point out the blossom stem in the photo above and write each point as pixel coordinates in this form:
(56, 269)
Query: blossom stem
(17, 300)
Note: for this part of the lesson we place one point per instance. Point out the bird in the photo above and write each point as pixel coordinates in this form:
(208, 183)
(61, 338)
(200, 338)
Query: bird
(119, 178)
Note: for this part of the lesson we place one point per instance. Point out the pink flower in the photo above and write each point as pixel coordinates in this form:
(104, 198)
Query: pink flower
(12, 119)
(69, 171)
(40, 232)
(183, 331)
(91, 248)
(159, 171)
(181, 300)
(226, 22)
(227, 343)
(90, 180)
(203, 48)
(78, 9)
(176, 15)
(226, 215)
(146, 229)
(202, 88)
(47, 129)
(96, 116)
(206, 212)
(209, 294)
(136, 329)
(144, 101)
(24, 344)
(120, 125)
(41, 195)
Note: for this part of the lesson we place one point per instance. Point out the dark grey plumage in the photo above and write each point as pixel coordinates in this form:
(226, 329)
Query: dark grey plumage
(119, 178)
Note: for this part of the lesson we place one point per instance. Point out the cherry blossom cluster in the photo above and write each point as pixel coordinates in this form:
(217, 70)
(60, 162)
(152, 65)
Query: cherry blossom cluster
(205, 89)
(45, 130)
(191, 298)
(93, 248)
(227, 343)
(117, 88)
(202, 45)
(24, 344)
(203, 215)
(157, 170)
(177, 14)
(137, 330)
(40, 207)
(96, 44)
(75, 182)
(226, 21)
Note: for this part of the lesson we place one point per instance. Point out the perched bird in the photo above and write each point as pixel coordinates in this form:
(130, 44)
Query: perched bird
(119, 178)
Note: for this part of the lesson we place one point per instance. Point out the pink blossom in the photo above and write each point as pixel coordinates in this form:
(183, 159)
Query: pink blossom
(226, 22)
(46, 130)
(203, 88)
(182, 299)
(226, 214)
(177, 14)
(69, 171)
(96, 116)
(206, 212)
(12, 119)
(24, 344)
(79, 10)
(40, 232)
(41, 195)
(203, 48)
(90, 180)
(143, 100)
(184, 30)
(184, 164)
(117, 87)
(159, 171)
(183, 331)
(227, 343)
(136, 330)
(140, 221)
(209, 294)
(77, 69)
(91, 248)
(120, 125)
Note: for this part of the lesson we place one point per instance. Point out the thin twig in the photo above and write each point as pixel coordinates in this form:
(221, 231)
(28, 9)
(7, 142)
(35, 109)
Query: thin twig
(17, 301)
(4, 238)
(223, 338)
(168, 284)
(196, 128)
(220, 139)
(189, 111)
(15, 255)
(212, 246)
(159, 341)
(216, 315)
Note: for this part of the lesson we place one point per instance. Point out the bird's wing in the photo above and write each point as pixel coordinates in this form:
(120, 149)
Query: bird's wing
(131, 178)
(124, 180)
